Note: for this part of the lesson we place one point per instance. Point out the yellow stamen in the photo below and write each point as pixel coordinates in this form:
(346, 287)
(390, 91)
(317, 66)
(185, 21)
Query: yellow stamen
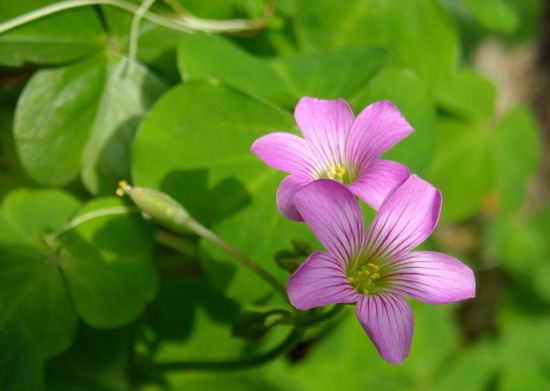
(375, 276)
(365, 291)
(373, 267)
(123, 187)
(336, 171)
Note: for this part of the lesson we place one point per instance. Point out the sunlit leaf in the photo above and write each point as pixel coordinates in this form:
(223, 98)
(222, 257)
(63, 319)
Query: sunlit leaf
(198, 151)
(467, 94)
(496, 15)
(417, 150)
(107, 264)
(461, 168)
(99, 103)
(328, 75)
(516, 154)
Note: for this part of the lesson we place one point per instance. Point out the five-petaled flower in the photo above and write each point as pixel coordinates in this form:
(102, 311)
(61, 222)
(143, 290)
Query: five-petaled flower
(337, 146)
(376, 268)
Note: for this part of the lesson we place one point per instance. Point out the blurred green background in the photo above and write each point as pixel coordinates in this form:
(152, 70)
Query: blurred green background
(96, 308)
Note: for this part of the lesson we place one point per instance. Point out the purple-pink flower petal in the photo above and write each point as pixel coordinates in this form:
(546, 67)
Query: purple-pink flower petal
(319, 281)
(407, 218)
(388, 320)
(433, 278)
(333, 214)
(285, 152)
(378, 180)
(375, 130)
(285, 196)
(325, 124)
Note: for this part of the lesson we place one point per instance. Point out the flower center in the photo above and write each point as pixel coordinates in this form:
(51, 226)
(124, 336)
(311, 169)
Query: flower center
(338, 173)
(364, 278)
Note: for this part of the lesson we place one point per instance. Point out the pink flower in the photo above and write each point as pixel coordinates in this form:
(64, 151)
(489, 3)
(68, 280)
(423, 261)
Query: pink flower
(376, 268)
(337, 146)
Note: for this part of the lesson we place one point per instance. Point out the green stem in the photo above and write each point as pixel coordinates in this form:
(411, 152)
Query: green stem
(334, 311)
(134, 32)
(205, 233)
(249, 362)
(185, 23)
(176, 242)
(117, 210)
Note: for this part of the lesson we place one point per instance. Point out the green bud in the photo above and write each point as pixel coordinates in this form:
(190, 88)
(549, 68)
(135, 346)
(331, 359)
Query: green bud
(302, 248)
(254, 325)
(288, 260)
(250, 326)
(158, 206)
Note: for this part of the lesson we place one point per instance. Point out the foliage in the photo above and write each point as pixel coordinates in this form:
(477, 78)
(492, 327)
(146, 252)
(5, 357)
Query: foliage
(93, 295)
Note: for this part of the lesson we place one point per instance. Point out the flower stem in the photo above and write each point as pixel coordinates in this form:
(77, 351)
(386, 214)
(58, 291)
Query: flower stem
(176, 242)
(249, 362)
(334, 311)
(49, 239)
(134, 32)
(185, 23)
(205, 233)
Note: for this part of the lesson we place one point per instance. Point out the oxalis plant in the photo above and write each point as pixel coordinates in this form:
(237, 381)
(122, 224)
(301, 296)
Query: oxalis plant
(195, 202)
(375, 268)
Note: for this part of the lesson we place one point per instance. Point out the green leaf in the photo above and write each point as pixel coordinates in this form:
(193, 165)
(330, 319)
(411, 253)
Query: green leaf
(473, 370)
(107, 264)
(524, 343)
(467, 94)
(11, 172)
(195, 146)
(328, 75)
(124, 100)
(95, 102)
(417, 33)
(415, 151)
(518, 245)
(225, 382)
(495, 15)
(420, 35)
(331, 74)
(210, 57)
(517, 155)
(524, 378)
(31, 284)
(193, 321)
(101, 266)
(461, 168)
(56, 103)
(20, 361)
(346, 348)
(59, 38)
(156, 46)
(97, 361)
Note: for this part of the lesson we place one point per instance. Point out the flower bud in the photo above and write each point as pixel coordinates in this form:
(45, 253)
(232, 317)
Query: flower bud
(254, 325)
(158, 206)
(288, 260)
